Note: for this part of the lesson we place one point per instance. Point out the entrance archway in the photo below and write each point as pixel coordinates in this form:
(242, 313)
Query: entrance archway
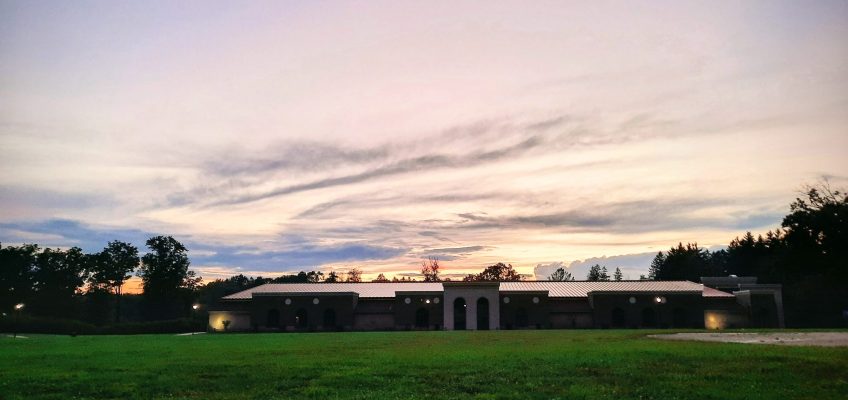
(300, 318)
(459, 314)
(422, 318)
(482, 314)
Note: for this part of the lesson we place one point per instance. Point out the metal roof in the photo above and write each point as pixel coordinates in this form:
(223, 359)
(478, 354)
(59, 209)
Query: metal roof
(555, 289)
(710, 292)
(583, 288)
(364, 289)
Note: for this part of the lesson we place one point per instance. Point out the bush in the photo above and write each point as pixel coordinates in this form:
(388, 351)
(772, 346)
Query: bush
(27, 324)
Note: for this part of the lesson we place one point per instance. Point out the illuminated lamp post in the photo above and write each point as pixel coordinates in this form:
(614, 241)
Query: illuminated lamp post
(18, 309)
(194, 308)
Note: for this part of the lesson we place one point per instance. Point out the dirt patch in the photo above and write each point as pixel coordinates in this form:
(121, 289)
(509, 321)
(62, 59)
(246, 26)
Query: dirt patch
(828, 339)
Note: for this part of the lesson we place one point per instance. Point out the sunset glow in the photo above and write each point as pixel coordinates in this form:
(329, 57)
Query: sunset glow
(277, 137)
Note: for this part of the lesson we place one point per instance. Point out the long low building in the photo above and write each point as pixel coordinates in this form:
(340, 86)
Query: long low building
(499, 305)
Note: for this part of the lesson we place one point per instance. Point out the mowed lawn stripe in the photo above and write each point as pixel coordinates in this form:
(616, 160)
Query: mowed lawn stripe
(546, 364)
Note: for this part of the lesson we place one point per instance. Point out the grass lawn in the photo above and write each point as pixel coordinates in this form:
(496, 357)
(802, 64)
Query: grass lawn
(415, 365)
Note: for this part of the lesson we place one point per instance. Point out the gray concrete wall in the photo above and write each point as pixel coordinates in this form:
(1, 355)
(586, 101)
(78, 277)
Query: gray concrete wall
(471, 294)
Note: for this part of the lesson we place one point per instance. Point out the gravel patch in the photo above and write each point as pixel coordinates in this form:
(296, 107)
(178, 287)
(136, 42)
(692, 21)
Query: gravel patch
(827, 339)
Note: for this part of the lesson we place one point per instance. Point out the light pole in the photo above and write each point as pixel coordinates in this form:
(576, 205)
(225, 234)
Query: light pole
(194, 308)
(18, 309)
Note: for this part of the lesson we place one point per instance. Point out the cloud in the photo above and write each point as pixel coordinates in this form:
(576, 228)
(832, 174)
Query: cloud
(543, 271)
(628, 217)
(293, 156)
(298, 252)
(632, 265)
(68, 233)
(426, 162)
(14, 198)
(305, 256)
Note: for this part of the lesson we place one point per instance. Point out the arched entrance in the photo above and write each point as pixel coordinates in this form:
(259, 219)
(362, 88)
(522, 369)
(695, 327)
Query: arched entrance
(618, 318)
(459, 314)
(300, 318)
(422, 318)
(482, 314)
(329, 319)
(649, 318)
(273, 318)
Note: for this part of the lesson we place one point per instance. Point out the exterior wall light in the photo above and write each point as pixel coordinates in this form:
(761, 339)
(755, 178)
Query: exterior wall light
(407, 300)
(632, 300)
(315, 301)
(535, 300)
(436, 300)
(288, 302)
(506, 300)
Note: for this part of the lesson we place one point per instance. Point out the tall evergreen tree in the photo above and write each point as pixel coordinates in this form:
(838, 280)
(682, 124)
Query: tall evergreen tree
(561, 275)
(604, 276)
(594, 273)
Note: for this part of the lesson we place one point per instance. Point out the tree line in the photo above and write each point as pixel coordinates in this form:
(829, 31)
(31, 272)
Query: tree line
(77, 285)
(807, 255)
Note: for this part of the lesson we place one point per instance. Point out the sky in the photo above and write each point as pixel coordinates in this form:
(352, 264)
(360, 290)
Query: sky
(275, 137)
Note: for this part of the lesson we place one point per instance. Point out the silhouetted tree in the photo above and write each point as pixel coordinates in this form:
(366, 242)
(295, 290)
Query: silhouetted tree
(165, 276)
(314, 276)
(17, 274)
(597, 273)
(354, 275)
(332, 277)
(430, 270)
(813, 263)
(58, 276)
(618, 275)
(688, 262)
(561, 275)
(111, 268)
(381, 278)
(497, 272)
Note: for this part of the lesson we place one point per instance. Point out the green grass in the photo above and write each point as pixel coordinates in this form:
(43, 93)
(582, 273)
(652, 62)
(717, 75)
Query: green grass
(415, 365)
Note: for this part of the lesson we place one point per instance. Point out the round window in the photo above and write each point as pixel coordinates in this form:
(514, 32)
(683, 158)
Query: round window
(535, 300)
(436, 300)
(315, 301)
(288, 302)
(407, 300)
(506, 300)
(632, 300)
